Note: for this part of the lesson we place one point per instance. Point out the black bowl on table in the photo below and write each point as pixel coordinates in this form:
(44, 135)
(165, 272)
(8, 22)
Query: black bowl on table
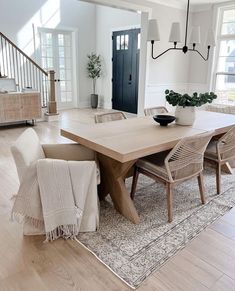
(164, 119)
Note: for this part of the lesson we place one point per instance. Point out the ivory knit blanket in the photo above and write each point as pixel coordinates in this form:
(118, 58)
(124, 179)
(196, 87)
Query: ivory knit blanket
(59, 197)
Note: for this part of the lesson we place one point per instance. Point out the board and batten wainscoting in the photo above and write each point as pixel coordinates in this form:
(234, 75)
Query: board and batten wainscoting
(155, 93)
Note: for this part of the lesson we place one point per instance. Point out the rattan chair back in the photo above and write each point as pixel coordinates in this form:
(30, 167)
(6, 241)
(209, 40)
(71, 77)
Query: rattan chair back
(111, 116)
(185, 160)
(226, 146)
(155, 110)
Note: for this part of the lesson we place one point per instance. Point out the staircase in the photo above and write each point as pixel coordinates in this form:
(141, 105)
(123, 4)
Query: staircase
(14, 63)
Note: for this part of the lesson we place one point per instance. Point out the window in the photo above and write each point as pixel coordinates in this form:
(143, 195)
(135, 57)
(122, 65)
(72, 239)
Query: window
(122, 42)
(56, 54)
(225, 61)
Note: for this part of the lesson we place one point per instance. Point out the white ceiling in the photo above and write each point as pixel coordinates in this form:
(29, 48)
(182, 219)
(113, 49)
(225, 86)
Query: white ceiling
(194, 4)
(201, 1)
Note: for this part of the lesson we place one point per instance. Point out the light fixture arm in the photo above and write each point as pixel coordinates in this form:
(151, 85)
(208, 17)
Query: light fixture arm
(180, 49)
(204, 58)
(169, 49)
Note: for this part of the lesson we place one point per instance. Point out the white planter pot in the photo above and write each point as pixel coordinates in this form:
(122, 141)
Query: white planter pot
(185, 115)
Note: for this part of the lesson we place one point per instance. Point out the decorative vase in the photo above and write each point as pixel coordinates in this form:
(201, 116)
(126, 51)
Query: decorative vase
(185, 115)
(94, 100)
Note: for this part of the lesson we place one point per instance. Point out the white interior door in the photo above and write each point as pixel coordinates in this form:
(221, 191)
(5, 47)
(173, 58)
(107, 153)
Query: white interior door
(56, 54)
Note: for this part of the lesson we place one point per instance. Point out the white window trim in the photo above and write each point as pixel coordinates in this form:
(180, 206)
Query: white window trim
(215, 73)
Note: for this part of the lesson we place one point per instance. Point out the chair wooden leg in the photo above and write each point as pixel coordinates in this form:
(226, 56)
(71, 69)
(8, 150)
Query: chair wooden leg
(218, 178)
(169, 201)
(201, 187)
(134, 182)
(226, 168)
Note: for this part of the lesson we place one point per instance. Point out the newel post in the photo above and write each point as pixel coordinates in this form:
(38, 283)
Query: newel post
(52, 114)
(52, 107)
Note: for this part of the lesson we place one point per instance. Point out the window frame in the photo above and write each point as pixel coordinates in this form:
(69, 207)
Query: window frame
(219, 39)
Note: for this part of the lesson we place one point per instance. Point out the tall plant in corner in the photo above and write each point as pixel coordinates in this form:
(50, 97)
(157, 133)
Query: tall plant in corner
(94, 72)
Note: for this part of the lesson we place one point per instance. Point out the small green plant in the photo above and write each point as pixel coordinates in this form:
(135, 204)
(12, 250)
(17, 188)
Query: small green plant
(186, 100)
(94, 68)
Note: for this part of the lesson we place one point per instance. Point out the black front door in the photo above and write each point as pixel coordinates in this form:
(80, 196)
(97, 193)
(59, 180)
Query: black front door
(126, 45)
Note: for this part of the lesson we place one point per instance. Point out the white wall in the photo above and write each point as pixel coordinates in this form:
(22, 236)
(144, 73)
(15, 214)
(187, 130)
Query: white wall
(170, 71)
(174, 70)
(94, 25)
(108, 20)
(198, 68)
(18, 17)
(82, 16)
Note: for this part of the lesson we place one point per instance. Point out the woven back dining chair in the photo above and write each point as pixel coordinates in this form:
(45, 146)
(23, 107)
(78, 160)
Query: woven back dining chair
(155, 110)
(220, 152)
(183, 162)
(110, 116)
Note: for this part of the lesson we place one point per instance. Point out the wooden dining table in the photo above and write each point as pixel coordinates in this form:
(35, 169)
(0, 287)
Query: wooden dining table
(119, 144)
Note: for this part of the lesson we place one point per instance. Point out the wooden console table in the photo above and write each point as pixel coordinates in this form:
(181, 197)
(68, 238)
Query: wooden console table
(17, 106)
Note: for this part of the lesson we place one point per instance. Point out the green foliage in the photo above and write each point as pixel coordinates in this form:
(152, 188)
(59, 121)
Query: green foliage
(94, 68)
(185, 100)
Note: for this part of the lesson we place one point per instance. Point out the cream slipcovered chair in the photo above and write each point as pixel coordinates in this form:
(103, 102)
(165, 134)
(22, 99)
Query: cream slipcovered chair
(110, 116)
(27, 149)
(183, 162)
(220, 152)
(155, 110)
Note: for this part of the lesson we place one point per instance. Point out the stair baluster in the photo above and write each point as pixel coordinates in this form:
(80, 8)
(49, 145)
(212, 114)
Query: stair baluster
(14, 63)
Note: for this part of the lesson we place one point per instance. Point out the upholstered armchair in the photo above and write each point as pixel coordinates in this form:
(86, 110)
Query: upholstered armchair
(27, 149)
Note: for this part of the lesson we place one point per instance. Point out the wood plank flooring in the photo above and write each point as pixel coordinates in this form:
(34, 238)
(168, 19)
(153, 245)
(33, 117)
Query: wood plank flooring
(27, 264)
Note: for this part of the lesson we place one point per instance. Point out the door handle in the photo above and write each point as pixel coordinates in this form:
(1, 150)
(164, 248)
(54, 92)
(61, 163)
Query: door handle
(130, 79)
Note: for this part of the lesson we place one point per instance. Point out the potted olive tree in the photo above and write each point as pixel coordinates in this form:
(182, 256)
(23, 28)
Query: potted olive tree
(94, 72)
(185, 104)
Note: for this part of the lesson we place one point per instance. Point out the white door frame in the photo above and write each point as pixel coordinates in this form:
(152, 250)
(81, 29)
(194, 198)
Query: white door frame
(75, 85)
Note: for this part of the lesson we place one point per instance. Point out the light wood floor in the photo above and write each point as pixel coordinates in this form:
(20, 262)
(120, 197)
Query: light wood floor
(26, 263)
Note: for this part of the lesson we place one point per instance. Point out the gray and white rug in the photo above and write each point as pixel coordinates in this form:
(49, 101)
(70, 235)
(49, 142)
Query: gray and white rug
(132, 251)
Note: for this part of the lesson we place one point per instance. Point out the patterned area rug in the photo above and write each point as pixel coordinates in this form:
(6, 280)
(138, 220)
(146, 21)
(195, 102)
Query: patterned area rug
(133, 252)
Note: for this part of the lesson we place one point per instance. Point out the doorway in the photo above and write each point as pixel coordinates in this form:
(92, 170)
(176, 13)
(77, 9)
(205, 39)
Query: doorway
(56, 54)
(126, 49)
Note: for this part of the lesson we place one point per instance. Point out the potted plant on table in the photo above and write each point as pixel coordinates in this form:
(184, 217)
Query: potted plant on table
(94, 72)
(185, 104)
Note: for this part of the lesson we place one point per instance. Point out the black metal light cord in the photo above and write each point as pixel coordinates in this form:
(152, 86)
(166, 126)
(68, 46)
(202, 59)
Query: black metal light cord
(186, 26)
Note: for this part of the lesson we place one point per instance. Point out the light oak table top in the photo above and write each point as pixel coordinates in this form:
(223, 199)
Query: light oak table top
(133, 138)
(219, 122)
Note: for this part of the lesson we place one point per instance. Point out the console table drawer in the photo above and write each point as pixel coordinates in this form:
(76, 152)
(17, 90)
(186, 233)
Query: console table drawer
(31, 106)
(11, 107)
(18, 106)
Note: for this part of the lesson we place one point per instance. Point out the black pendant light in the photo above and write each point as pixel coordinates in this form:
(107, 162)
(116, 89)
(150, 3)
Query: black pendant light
(153, 35)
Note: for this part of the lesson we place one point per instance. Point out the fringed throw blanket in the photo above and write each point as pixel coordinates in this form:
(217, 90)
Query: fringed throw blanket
(59, 197)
